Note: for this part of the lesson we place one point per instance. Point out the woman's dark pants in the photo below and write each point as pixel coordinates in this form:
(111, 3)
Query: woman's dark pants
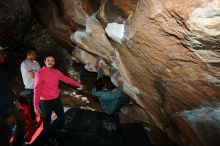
(47, 107)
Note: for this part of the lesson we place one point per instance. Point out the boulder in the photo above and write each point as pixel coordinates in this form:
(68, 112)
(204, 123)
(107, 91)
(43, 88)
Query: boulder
(167, 51)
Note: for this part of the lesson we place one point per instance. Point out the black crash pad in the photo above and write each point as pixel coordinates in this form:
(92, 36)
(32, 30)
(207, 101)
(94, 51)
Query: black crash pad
(87, 128)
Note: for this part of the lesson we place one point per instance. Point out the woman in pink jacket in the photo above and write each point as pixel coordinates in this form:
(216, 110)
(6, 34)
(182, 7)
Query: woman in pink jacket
(46, 94)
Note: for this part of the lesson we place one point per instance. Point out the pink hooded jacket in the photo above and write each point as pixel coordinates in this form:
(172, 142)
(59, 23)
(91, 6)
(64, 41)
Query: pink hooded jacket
(46, 84)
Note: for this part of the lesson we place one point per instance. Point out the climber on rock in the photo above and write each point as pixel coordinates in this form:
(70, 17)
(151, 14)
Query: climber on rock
(111, 100)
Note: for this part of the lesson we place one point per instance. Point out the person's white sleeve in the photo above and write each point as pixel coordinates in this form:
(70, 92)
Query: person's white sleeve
(38, 66)
(24, 67)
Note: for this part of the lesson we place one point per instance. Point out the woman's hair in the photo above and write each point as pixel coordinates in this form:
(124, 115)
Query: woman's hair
(49, 55)
(101, 83)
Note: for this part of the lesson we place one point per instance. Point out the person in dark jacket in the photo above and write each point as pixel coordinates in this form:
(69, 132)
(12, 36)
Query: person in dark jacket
(9, 115)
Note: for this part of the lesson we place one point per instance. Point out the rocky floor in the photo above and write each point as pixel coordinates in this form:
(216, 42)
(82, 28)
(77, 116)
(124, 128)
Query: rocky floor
(89, 128)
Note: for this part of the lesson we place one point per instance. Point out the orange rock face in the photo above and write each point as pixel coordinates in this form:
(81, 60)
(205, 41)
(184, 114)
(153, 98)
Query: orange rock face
(168, 51)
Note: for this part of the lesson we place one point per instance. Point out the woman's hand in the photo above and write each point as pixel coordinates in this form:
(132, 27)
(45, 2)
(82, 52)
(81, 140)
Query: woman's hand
(37, 111)
(120, 81)
(101, 64)
(107, 72)
(80, 87)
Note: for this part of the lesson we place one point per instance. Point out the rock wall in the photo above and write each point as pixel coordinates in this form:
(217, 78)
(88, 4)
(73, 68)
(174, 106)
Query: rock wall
(167, 51)
(15, 20)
